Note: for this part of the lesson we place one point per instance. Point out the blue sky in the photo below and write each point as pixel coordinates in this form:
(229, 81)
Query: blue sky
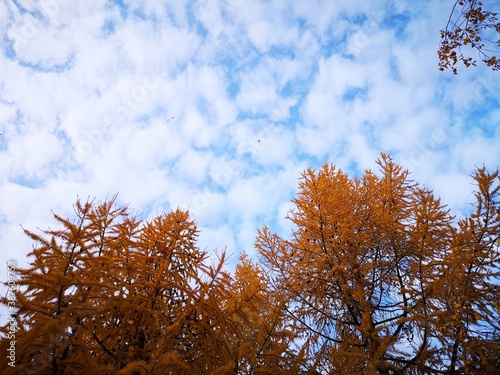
(219, 105)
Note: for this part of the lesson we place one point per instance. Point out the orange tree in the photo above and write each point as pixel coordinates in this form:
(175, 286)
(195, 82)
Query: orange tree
(380, 278)
(108, 293)
(265, 343)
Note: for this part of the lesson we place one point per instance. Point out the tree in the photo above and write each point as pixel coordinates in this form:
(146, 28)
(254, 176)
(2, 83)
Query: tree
(110, 294)
(377, 278)
(466, 316)
(265, 343)
(471, 26)
(381, 279)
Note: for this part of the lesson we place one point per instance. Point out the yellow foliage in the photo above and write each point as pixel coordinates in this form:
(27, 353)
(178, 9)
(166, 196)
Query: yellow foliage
(377, 277)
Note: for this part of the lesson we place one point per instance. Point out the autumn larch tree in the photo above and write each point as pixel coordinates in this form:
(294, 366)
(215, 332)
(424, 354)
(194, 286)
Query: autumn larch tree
(378, 278)
(108, 293)
(381, 279)
(467, 309)
(470, 26)
(265, 344)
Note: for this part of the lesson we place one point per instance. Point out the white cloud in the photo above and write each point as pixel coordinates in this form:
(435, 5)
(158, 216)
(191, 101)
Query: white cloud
(166, 104)
(34, 156)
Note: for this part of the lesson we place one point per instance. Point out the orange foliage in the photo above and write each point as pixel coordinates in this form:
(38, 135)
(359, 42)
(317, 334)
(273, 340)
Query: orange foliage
(111, 294)
(381, 280)
(377, 277)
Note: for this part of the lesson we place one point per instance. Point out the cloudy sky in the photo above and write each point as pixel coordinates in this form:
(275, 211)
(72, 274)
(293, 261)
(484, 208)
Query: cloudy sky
(219, 105)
